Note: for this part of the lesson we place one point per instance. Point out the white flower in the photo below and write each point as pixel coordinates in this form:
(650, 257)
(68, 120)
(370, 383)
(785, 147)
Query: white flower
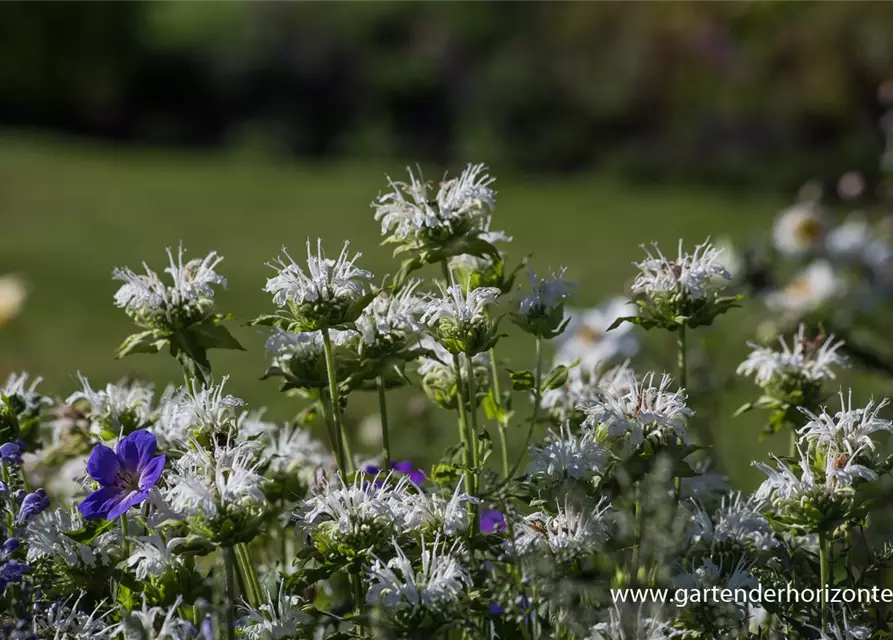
(851, 242)
(709, 575)
(582, 387)
(842, 630)
(204, 483)
(152, 556)
(642, 410)
(802, 360)
(458, 307)
(849, 429)
(45, 538)
(289, 449)
(566, 455)
(799, 230)
(571, 528)
(64, 620)
(12, 297)
(782, 482)
(117, 405)
(546, 293)
(737, 520)
(408, 211)
(696, 274)
(426, 510)
(192, 282)
(153, 623)
(357, 505)
(391, 316)
(439, 582)
(17, 385)
(196, 409)
(809, 290)
(275, 619)
(588, 340)
(646, 628)
(325, 280)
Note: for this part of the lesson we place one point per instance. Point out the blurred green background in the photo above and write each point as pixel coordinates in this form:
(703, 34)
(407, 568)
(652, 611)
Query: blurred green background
(128, 127)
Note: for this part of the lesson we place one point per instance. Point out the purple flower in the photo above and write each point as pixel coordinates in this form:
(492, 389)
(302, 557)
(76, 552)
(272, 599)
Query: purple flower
(11, 453)
(492, 521)
(10, 545)
(407, 468)
(13, 571)
(32, 505)
(125, 477)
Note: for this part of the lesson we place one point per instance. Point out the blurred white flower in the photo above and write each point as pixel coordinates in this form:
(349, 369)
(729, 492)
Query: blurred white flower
(197, 409)
(12, 297)
(546, 293)
(799, 230)
(812, 288)
(588, 340)
(123, 405)
(567, 455)
(572, 528)
(17, 385)
(645, 628)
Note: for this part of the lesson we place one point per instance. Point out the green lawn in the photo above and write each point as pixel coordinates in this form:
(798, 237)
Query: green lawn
(72, 211)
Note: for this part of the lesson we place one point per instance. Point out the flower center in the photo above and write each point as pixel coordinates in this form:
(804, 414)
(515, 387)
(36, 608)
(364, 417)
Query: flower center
(589, 335)
(127, 481)
(809, 230)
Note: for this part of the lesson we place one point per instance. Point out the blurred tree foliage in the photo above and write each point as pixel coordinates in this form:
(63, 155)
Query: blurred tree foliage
(733, 92)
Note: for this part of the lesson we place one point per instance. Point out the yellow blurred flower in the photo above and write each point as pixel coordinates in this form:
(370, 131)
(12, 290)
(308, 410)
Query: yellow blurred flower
(12, 297)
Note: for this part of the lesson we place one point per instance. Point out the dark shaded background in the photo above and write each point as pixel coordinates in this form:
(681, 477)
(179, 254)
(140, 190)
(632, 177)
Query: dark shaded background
(738, 93)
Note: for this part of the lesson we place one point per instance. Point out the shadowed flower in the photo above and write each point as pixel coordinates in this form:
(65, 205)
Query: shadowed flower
(125, 476)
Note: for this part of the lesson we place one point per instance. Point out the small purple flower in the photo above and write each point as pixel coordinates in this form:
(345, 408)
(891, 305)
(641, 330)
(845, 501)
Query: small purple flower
(495, 609)
(11, 453)
(10, 545)
(407, 468)
(492, 521)
(32, 504)
(4, 489)
(13, 571)
(125, 477)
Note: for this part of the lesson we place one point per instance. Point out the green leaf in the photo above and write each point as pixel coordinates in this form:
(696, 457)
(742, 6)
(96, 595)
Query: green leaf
(744, 408)
(213, 335)
(268, 320)
(90, 531)
(522, 380)
(446, 474)
(621, 320)
(144, 342)
(556, 378)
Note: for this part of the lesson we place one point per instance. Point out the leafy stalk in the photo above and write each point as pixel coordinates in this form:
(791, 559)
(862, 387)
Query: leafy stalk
(345, 462)
(383, 411)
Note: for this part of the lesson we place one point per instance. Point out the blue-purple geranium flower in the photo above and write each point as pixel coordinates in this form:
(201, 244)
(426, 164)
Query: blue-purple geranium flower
(125, 477)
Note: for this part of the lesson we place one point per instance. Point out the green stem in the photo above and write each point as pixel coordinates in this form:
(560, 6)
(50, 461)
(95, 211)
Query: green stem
(823, 574)
(383, 411)
(681, 363)
(125, 534)
(249, 575)
(345, 463)
(331, 430)
(537, 397)
(229, 574)
(501, 426)
(793, 443)
(473, 432)
(463, 430)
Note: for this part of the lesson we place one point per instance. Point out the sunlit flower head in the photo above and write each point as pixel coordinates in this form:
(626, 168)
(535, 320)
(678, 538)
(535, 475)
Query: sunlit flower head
(439, 581)
(409, 212)
(197, 411)
(849, 429)
(152, 303)
(812, 360)
(573, 528)
(126, 405)
(645, 409)
(324, 281)
(393, 319)
(567, 455)
(277, 617)
(458, 320)
(695, 274)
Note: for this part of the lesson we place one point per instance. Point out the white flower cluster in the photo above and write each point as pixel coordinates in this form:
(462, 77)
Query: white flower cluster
(812, 361)
(574, 529)
(117, 406)
(546, 293)
(197, 410)
(695, 274)
(393, 317)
